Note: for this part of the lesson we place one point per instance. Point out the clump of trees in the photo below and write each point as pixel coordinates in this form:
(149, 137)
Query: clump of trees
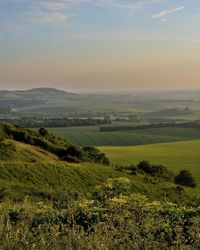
(160, 171)
(185, 178)
(95, 155)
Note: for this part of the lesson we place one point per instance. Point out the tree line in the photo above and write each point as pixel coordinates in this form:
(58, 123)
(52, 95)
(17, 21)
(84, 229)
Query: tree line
(195, 124)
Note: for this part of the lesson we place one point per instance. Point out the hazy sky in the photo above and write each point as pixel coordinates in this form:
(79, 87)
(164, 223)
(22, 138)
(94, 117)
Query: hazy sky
(100, 44)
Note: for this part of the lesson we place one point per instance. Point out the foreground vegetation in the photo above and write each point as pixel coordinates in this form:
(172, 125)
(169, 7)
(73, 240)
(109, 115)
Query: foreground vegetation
(113, 218)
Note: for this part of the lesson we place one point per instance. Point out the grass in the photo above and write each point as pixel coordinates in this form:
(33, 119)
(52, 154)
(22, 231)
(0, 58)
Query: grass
(31, 171)
(91, 136)
(175, 156)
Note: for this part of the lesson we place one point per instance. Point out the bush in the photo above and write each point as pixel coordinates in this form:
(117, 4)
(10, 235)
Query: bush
(95, 155)
(185, 178)
(43, 131)
(155, 170)
(113, 188)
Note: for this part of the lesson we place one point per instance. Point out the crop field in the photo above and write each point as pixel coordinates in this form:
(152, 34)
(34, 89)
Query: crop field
(90, 136)
(175, 156)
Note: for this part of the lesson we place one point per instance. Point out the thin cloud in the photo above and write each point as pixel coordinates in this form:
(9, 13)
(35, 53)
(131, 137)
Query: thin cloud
(165, 13)
(176, 9)
(55, 17)
(58, 11)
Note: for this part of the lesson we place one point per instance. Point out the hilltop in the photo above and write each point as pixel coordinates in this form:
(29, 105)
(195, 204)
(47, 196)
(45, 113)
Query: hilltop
(34, 93)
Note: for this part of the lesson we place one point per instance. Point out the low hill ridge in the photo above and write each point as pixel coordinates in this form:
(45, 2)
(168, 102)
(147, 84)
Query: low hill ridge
(39, 91)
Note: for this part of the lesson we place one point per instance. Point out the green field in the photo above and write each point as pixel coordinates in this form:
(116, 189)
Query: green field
(91, 136)
(175, 156)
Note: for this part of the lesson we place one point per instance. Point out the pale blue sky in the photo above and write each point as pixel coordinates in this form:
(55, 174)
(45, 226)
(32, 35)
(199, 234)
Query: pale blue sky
(100, 44)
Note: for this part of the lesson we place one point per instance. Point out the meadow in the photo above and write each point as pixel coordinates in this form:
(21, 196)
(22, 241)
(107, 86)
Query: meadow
(90, 136)
(175, 155)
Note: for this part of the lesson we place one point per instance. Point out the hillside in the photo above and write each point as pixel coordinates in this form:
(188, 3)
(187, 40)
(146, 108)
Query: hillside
(39, 163)
(31, 164)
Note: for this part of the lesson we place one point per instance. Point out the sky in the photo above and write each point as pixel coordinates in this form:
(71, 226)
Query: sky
(100, 44)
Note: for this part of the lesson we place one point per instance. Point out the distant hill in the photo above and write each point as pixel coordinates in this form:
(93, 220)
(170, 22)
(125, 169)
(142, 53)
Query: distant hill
(55, 102)
(35, 93)
(37, 101)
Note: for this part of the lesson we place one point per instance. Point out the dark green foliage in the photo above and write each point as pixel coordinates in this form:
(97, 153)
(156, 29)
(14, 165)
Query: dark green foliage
(154, 170)
(16, 216)
(193, 124)
(95, 155)
(185, 178)
(43, 132)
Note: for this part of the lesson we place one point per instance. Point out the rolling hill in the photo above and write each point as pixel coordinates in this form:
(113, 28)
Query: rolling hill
(36, 93)
(31, 164)
(54, 102)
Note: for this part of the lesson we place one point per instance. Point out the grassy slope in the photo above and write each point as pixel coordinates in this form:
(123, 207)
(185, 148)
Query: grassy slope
(91, 136)
(176, 155)
(31, 170)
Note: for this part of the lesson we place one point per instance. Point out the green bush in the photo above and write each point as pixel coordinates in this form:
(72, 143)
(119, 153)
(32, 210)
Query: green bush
(96, 156)
(155, 170)
(185, 178)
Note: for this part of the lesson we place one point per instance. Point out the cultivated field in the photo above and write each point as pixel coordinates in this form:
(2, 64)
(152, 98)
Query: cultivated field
(175, 156)
(91, 136)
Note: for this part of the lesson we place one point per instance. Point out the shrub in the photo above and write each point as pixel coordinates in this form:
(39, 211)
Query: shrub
(43, 131)
(155, 170)
(95, 155)
(185, 178)
(112, 189)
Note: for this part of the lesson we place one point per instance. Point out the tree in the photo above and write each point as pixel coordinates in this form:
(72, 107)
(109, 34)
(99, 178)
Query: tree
(95, 155)
(185, 178)
(43, 132)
